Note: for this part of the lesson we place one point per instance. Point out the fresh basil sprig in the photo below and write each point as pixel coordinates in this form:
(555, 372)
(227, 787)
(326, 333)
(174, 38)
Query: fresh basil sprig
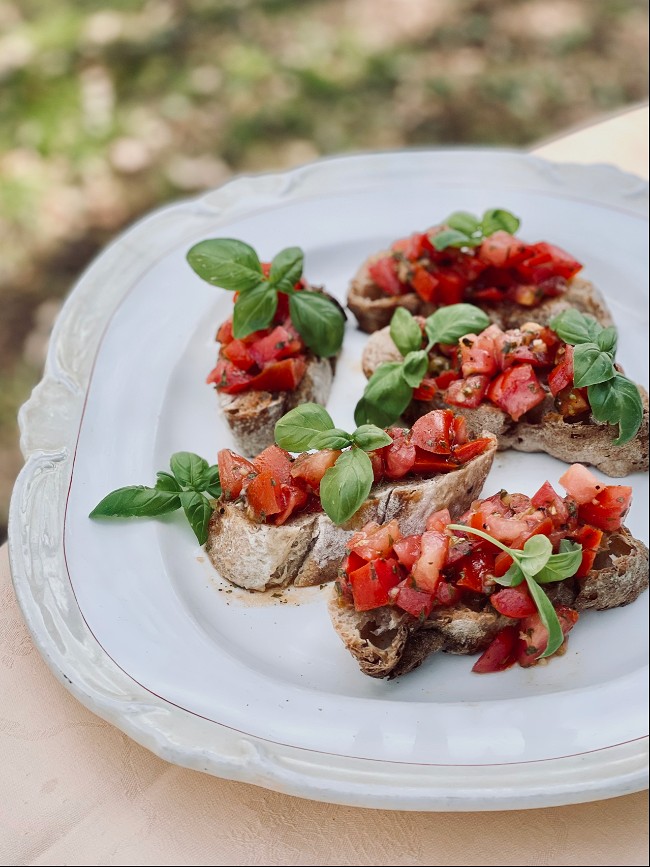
(235, 266)
(191, 478)
(614, 399)
(390, 389)
(466, 230)
(346, 485)
(536, 564)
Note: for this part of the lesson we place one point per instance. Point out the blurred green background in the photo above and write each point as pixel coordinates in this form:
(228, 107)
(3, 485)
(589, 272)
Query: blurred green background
(109, 109)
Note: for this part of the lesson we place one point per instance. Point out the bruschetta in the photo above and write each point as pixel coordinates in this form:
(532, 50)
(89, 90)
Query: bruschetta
(509, 279)
(401, 597)
(269, 527)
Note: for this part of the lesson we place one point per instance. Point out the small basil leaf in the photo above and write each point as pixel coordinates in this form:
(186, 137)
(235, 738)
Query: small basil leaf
(452, 238)
(286, 268)
(189, 469)
(198, 512)
(331, 439)
(295, 431)
(496, 219)
(405, 331)
(166, 482)
(213, 482)
(449, 324)
(227, 263)
(254, 310)
(617, 401)
(369, 437)
(574, 327)
(591, 366)
(414, 367)
(386, 396)
(318, 321)
(463, 222)
(136, 501)
(607, 340)
(535, 555)
(562, 565)
(346, 485)
(548, 616)
(512, 578)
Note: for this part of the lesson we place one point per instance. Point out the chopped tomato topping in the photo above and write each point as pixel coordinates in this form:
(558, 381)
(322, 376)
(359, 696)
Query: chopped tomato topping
(516, 391)
(264, 495)
(590, 539)
(439, 520)
(410, 598)
(426, 571)
(607, 510)
(238, 353)
(552, 504)
(500, 653)
(514, 602)
(277, 462)
(533, 635)
(283, 375)
(581, 484)
(312, 467)
(383, 272)
(502, 250)
(561, 376)
(375, 540)
(468, 392)
(291, 499)
(434, 431)
(371, 583)
(233, 471)
(408, 550)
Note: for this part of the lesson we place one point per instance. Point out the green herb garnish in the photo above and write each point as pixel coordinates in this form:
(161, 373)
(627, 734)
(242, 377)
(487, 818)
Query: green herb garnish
(346, 485)
(235, 266)
(536, 564)
(191, 478)
(390, 389)
(614, 399)
(466, 230)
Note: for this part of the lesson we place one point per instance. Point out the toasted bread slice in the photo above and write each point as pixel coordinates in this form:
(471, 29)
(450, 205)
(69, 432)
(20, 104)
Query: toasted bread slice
(374, 309)
(586, 442)
(388, 642)
(308, 548)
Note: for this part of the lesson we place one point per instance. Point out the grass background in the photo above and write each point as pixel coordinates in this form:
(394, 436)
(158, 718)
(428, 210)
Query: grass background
(109, 109)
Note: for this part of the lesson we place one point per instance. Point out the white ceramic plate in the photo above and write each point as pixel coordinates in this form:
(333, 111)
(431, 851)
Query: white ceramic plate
(135, 622)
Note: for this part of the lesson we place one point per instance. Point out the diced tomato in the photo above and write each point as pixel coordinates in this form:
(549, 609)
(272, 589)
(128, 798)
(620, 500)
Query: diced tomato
(572, 403)
(414, 247)
(426, 571)
(561, 376)
(278, 344)
(460, 435)
(224, 334)
(590, 539)
(478, 355)
(502, 563)
(383, 273)
(475, 570)
(228, 378)
(427, 463)
(608, 509)
(411, 599)
(447, 593)
(377, 461)
(263, 495)
(563, 264)
(487, 295)
(371, 583)
(516, 391)
(500, 653)
(233, 470)
(433, 432)
(468, 451)
(467, 392)
(292, 499)
(407, 550)
(375, 540)
(506, 530)
(426, 390)
(581, 484)
(276, 461)
(533, 635)
(399, 456)
(237, 352)
(514, 602)
(444, 379)
(283, 375)
(439, 520)
(525, 294)
(451, 286)
(536, 525)
(424, 283)
(352, 562)
(312, 467)
(550, 501)
(502, 250)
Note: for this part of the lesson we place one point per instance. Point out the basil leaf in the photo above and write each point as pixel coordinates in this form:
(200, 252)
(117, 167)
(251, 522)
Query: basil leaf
(166, 482)
(607, 340)
(452, 238)
(617, 401)
(346, 485)
(254, 310)
(575, 328)
(198, 512)
(331, 439)
(496, 219)
(286, 268)
(534, 556)
(227, 263)
(548, 616)
(405, 331)
(136, 501)
(414, 367)
(562, 565)
(449, 324)
(386, 396)
(369, 437)
(213, 482)
(463, 222)
(296, 430)
(318, 321)
(190, 470)
(512, 578)
(591, 366)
